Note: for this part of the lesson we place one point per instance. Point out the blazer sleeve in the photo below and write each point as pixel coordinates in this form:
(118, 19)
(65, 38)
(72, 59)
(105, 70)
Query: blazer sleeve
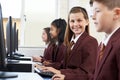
(86, 69)
(59, 58)
(118, 62)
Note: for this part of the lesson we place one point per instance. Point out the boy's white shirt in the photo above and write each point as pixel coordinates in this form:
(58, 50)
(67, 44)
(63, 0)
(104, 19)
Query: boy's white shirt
(107, 37)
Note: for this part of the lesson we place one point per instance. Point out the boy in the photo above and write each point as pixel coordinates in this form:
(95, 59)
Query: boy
(107, 19)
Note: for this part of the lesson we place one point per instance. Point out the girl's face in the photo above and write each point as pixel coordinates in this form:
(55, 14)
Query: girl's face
(44, 36)
(53, 32)
(77, 23)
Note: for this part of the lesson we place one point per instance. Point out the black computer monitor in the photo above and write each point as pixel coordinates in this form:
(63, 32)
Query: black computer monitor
(2, 43)
(12, 40)
(9, 37)
(16, 42)
(3, 52)
(15, 37)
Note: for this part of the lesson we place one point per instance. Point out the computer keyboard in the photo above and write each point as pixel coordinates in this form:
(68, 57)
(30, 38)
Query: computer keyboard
(44, 74)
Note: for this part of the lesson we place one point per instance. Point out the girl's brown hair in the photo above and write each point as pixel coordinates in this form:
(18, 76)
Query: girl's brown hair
(60, 24)
(69, 33)
(47, 30)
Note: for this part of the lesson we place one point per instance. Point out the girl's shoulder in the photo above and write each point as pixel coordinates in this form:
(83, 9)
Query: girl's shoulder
(89, 39)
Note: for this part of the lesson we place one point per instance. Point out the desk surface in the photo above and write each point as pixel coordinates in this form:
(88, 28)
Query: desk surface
(26, 76)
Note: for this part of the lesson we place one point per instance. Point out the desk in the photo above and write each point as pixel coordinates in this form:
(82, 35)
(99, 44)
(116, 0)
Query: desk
(24, 58)
(25, 76)
(46, 78)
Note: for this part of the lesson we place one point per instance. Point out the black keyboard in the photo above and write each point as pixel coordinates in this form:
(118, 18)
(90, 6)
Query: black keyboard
(44, 74)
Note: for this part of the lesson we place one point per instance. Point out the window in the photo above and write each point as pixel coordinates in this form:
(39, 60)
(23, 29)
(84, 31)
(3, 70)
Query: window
(11, 8)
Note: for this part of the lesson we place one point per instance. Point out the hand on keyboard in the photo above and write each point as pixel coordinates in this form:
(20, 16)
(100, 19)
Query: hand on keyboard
(44, 74)
(48, 69)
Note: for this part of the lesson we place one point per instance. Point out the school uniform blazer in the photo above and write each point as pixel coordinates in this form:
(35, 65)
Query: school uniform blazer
(109, 67)
(81, 62)
(59, 55)
(48, 53)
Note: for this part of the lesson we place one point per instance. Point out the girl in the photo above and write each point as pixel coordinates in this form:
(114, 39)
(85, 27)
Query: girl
(81, 49)
(57, 31)
(47, 39)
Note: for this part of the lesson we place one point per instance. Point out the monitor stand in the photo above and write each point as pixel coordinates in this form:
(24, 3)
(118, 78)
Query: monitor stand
(8, 75)
(18, 54)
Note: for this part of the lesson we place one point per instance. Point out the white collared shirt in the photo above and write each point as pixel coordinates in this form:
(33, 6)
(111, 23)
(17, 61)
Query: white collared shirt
(75, 39)
(46, 46)
(107, 37)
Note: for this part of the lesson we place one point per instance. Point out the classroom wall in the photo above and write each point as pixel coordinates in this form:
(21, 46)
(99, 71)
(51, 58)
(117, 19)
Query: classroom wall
(37, 16)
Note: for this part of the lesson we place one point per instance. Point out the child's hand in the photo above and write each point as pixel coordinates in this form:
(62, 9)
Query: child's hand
(58, 77)
(38, 66)
(50, 69)
(37, 58)
(46, 63)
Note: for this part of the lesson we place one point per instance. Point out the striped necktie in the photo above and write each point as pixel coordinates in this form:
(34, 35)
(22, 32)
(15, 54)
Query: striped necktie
(71, 44)
(101, 53)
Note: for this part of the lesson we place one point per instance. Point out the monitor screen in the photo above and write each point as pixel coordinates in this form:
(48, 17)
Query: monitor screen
(16, 42)
(9, 37)
(14, 36)
(2, 43)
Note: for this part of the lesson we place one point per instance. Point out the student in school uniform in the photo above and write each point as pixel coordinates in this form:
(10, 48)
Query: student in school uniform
(53, 54)
(106, 18)
(80, 58)
(57, 31)
(48, 41)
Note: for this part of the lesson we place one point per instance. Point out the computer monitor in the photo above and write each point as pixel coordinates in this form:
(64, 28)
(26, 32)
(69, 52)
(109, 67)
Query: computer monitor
(14, 36)
(16, 42)
(12, 40)
(2, 43)
(9, 37)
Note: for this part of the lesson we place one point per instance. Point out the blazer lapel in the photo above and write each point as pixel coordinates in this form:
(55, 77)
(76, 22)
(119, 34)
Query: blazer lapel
(106, 54)
(96, 67)
(77, 44)
(108, 49)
